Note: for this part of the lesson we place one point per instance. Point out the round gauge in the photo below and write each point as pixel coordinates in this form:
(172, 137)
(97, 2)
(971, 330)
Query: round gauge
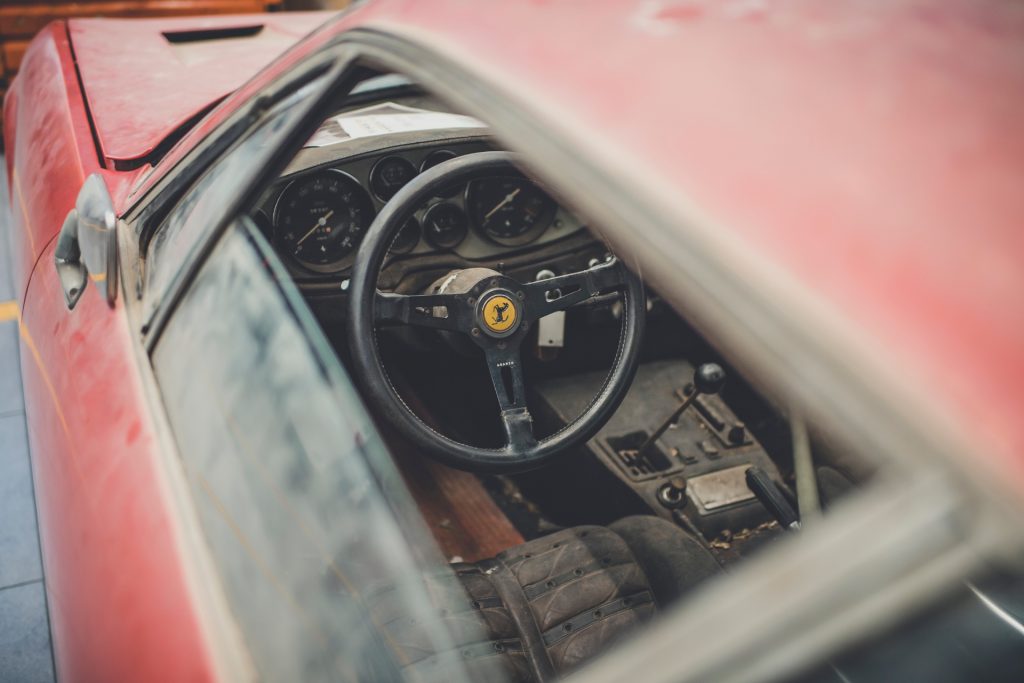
(509, 210)
(389, 175)
(444, 225)
(321, 218)
(436, 157)
(408, 237)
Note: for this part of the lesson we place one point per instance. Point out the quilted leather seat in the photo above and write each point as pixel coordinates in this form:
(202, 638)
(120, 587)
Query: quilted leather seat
(550, 605)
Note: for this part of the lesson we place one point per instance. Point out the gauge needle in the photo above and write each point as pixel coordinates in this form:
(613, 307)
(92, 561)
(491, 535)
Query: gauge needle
(506, 200)
(319, 224)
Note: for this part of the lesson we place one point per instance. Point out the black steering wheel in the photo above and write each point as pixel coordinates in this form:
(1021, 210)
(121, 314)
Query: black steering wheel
(495, 312)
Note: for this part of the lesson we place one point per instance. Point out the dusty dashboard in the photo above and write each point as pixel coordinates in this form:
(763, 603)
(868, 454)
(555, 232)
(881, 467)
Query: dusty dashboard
(317, 213)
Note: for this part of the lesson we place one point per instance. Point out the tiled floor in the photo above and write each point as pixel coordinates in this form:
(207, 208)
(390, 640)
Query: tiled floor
(25, 655)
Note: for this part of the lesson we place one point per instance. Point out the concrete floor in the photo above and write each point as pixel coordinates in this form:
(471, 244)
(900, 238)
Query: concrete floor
(25, 654)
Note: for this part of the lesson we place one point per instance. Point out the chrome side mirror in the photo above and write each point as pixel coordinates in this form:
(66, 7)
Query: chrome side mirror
(87, 244)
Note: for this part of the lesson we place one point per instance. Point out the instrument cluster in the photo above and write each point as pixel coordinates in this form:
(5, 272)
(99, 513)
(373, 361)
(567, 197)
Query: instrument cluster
(317, 217)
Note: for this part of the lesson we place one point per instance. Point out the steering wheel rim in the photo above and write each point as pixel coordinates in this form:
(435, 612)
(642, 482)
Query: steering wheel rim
(368, 307)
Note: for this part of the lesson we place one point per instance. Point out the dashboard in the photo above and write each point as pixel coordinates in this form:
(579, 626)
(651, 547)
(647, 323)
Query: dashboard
(318, 211)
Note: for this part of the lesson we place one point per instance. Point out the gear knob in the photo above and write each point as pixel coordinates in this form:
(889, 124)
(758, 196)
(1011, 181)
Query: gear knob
(709, 378)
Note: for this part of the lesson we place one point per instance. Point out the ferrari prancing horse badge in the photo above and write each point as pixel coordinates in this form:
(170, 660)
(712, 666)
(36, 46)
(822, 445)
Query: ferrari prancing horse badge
(499, 313)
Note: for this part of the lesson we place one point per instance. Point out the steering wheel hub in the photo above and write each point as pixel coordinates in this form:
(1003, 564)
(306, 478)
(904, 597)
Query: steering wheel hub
(499, 313)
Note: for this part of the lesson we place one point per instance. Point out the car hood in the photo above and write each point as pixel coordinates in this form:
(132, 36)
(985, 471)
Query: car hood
(145, 79)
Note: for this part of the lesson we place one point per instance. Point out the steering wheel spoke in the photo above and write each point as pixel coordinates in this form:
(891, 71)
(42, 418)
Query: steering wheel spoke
(436, 311)
(544, 297)
(506, 368)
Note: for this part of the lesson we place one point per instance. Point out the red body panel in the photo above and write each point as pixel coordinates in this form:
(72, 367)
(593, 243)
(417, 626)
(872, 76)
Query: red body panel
(120, 605)
(140, 91)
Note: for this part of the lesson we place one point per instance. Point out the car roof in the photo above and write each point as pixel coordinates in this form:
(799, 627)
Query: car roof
(871, 152)
(144, 78)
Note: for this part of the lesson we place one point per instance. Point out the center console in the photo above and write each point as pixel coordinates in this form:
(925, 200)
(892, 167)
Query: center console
(694, 471)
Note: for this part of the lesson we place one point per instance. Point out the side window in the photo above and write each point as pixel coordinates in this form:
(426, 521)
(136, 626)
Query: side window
(321, 553)
(207, 201)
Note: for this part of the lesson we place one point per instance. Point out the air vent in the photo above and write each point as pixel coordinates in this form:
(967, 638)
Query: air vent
(205, 34)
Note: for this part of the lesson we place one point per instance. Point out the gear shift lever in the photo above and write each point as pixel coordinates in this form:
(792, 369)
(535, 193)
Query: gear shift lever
(709, 378)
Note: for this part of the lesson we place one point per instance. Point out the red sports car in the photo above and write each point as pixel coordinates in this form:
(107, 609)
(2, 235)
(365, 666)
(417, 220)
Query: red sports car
(666, 340)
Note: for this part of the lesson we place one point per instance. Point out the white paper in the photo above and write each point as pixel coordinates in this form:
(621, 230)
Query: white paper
(385, 119)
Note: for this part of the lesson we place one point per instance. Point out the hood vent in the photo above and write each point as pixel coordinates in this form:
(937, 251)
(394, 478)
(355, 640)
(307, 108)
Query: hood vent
(205, 34)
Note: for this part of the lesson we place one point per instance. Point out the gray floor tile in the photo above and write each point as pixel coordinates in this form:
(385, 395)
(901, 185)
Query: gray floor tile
(10, 369)
(19, 543)
(24, 636)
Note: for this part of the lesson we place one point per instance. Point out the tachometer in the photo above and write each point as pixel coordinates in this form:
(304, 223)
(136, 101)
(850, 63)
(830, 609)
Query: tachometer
(509, 210)
(321, 218)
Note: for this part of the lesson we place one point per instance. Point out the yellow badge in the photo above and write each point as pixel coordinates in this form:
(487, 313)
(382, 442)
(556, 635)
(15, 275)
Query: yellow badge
(499, 313)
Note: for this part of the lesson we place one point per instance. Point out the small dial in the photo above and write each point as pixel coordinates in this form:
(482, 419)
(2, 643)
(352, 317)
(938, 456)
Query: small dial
(407, 238)
(320, 219)
(389, 175)
(444, 225)
(509, 210)
(436, 157)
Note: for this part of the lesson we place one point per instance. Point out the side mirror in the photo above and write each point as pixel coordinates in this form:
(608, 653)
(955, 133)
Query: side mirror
(87, 244)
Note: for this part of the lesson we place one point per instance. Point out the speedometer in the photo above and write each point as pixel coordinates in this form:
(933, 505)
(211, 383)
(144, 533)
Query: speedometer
(321, 218)
(509, 210)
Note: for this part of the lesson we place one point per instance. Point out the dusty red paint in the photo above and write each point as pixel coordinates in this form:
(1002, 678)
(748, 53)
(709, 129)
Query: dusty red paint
(138, 100)
(120, 606)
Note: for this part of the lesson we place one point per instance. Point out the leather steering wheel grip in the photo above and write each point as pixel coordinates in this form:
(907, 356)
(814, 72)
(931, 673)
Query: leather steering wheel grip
(368, 307)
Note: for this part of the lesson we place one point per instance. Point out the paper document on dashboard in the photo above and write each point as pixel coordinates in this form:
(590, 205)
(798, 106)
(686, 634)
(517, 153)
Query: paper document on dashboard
(385, 119)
